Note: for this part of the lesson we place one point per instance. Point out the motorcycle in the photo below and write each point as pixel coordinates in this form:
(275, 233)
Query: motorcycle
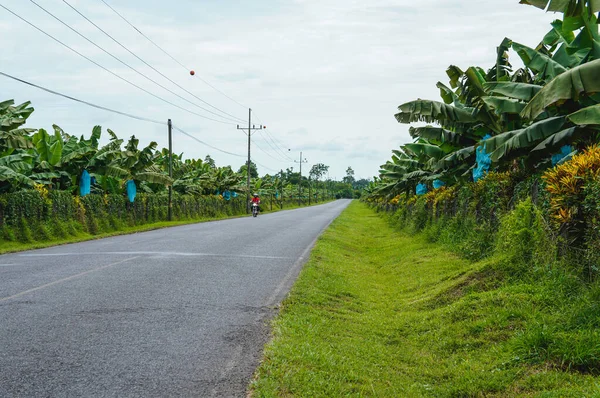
(254, 209)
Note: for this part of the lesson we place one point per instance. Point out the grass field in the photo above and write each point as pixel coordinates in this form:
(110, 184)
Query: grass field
(379, 313)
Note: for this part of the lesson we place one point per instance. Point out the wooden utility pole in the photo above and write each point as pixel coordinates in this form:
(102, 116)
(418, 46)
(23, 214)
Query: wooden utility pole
(170, 211)
(300, 181)
(249, 132)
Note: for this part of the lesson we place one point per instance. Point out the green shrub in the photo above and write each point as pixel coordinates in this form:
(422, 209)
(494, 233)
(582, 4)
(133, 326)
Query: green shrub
(59, 229)
(24, 232)
(478, 241)
(419, 216)
(524, 238)
(92, 225)
(8, 233)
(42, 232)
(74, 228)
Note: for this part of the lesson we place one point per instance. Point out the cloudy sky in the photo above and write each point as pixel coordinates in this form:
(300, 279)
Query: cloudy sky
(324, 76)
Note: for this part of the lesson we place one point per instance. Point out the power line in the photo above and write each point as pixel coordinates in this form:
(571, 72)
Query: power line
(269, 135)
(278, 146)
(274, 149)
(268, 154)
(150, 66)
(264, 167)
(114, 111)
(204, 143)
(111, 55)
(82, 101)
(169, 55)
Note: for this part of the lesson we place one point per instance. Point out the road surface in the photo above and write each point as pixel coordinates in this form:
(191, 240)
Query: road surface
(181, 311)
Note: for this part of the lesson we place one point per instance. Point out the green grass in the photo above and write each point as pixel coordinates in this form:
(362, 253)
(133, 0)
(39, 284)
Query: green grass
(379, 313)
(76, 234)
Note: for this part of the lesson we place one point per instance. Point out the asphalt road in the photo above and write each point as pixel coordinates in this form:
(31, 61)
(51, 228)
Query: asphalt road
(181, 311)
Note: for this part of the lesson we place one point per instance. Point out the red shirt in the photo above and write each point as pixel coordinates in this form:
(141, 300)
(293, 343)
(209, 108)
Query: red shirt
(256, 200)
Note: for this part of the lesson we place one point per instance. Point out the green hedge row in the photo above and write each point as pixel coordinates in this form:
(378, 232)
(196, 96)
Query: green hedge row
(470, 219)
(34, 215)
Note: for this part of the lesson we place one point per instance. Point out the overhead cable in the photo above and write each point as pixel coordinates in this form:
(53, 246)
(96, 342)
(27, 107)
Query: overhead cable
(263, 166)
(268, 154)
(108, 70)
(114, 111)
(150, 66)
(82, 101)
(170, 56)
(128, 66)
(207, 144)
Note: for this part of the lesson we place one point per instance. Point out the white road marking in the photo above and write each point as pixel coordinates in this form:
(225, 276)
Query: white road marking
(149, 253)
(68, 278)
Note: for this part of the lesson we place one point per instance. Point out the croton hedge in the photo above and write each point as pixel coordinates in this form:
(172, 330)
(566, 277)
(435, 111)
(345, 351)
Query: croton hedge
(567, 198)
(32, 214)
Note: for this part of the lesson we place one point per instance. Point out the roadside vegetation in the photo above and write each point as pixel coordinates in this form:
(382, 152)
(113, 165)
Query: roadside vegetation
(58, 187)
(58, 232)
(379, 311)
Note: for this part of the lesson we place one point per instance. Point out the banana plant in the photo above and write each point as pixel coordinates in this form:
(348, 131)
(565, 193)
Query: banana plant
(12, 135)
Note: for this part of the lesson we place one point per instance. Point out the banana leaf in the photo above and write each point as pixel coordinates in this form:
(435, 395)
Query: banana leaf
(49, 148)
(557, 140)
(113, 170)
(456, 158)
(154, 177)
(546, 67)
(504, 105)
(445, 115)
(45, 178)
(416, 175)
(95, 137)
(569, 85)
(8, 174)
(20, 163)
(454, 73)
(501, 71)
(522, 139)
(440, 135)
(17, 139)
(520, 91)
(568, 7)
(586, 116)
(449, 96)
(426, 150)
(560, 33)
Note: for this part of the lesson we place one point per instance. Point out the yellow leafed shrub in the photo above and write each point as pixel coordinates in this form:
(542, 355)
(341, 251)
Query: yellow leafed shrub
(566, 183)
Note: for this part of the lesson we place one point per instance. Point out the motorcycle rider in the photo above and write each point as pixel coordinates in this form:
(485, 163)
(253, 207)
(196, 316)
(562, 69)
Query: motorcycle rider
(256, 199)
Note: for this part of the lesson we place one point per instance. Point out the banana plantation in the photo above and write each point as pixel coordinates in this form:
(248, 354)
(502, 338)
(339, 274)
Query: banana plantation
(504, 119)
(504, 135)
(59, 180)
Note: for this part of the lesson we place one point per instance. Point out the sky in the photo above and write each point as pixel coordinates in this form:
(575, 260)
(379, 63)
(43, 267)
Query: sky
(324, 76)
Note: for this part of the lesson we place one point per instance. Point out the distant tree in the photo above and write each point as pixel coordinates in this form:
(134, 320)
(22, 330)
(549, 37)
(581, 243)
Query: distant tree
(317, 171)
(210, 161)
(349, 179)
(253, 170)
(361, 184)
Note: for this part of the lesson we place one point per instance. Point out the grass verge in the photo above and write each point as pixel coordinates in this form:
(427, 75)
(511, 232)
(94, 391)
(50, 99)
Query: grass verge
(379, 313)
(82, 236)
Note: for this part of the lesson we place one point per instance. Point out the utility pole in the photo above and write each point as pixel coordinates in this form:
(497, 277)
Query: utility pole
(170, 210)
(249, 132)
(300, 181)
(281, 191)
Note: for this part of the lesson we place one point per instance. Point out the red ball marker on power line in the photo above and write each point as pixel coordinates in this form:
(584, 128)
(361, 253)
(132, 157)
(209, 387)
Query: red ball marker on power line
(192, 73)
